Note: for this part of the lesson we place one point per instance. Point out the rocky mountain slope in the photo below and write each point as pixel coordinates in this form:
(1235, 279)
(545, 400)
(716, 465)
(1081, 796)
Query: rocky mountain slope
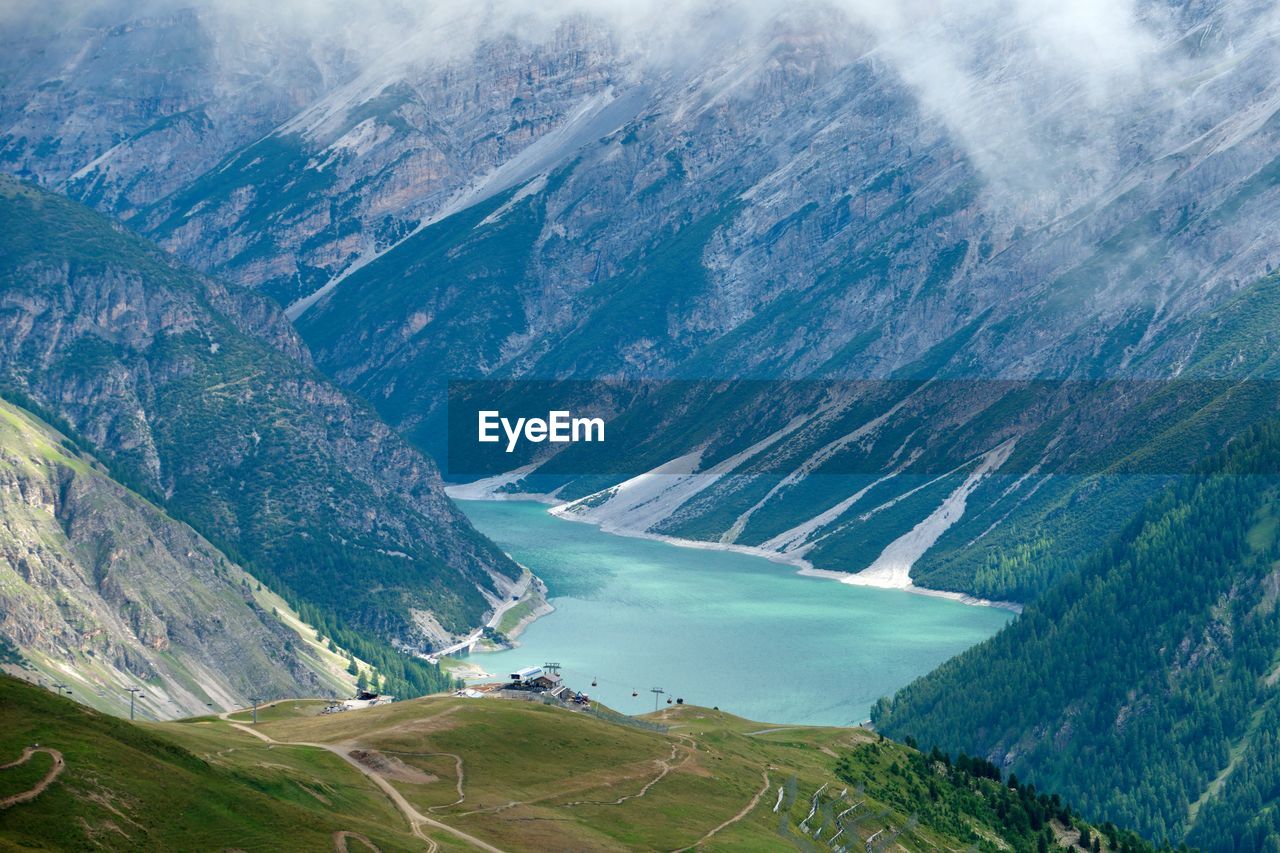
(790, 210)
(103, 591)
(803, 201)
(201, 396)
(1031, 256)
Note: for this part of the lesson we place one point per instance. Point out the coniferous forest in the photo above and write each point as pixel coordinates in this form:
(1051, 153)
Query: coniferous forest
(1154, 664)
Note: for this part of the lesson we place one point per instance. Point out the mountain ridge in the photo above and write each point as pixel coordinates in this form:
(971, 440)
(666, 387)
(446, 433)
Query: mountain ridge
(164, 375)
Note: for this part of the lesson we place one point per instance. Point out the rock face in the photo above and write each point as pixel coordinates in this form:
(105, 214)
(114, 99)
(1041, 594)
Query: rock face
(105, 591)
(202, 396)
(797, 198)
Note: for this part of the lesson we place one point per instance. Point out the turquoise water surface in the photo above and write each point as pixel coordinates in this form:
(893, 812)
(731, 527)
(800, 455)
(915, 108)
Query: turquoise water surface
(715, 627)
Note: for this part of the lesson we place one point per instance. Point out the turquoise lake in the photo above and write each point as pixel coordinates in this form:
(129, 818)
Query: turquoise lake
(717, 628)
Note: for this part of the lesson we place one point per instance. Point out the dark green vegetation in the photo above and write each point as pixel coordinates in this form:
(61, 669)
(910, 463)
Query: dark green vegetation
(460, 273)
(958, 798)
(518, 775)
(1142, 686)
(201, 397)
(818, 225)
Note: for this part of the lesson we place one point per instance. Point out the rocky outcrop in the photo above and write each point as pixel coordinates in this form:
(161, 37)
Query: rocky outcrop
(103, 590)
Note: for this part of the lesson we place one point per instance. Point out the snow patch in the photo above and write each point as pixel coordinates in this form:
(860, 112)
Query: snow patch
(596, 116)
(796, 539)
(817, 459)
(535, 186)
(357, 142)
(491, 488)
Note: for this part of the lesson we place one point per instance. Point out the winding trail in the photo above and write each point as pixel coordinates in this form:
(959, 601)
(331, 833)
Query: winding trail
(341, 837)
(731, 821)
(460, 774)
(664, 763)
(415, 818)
(26, 796)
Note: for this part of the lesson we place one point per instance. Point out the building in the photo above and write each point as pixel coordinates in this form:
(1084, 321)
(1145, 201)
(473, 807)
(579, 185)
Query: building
(549, 682)
(525, 677)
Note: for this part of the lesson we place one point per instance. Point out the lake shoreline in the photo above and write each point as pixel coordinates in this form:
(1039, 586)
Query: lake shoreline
(486, 490)
(632, 612)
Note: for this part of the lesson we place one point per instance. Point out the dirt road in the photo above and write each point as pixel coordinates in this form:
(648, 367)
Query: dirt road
(416, 819)
(746, 810)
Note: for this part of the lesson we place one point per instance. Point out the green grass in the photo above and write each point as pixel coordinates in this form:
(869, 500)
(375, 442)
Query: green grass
(1262, 536)
(25, 776)
(189, 786)
(533, 777)
(286, 709)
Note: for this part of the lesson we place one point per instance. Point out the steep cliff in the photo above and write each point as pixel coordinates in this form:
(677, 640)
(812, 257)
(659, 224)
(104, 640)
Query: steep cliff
(483, 200)
(105, 591)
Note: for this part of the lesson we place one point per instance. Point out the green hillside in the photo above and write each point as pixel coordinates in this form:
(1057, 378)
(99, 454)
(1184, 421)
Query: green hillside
(1144, 686)
(140, 787)
(515, 775)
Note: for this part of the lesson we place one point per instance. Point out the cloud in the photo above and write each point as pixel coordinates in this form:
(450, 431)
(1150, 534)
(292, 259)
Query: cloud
(1040, 94)
(1030, 89)
(1035, 92)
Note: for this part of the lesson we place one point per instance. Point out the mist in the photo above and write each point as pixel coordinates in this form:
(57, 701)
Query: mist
(1039, 94)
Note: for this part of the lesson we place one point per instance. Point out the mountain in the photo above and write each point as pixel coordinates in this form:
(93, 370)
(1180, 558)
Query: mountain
(805, 201)
(1142, 686)
(936, 297)
(200, 396)
(105, 591)
(246, 107)
(211, 783)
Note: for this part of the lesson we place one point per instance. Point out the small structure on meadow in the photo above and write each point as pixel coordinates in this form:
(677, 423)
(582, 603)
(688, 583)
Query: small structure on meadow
(549, 682)
(363, 699)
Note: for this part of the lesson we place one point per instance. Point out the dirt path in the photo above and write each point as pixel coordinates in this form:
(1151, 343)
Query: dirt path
(415, 818)
(340, 841)
(731, 821)
(664, 763)
(26, 796)
(459, 773)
